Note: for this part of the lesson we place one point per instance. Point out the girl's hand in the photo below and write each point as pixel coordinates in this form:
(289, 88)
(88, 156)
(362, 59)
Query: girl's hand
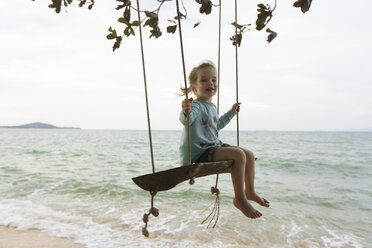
(236, 107)
(187, 106)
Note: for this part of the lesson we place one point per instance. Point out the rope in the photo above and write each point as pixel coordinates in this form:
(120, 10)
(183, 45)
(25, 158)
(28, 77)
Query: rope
(236, 73)
(192, 180)
(153, 211)
(219, 59)
(216, 208)
(214, 190)
(145, 85)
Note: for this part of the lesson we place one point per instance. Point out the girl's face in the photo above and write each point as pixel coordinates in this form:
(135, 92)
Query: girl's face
(206, 84)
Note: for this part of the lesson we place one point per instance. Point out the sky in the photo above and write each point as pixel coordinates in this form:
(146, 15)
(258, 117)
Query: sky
(60, 68)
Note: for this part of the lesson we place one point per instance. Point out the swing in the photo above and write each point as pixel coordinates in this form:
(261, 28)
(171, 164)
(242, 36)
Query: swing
(167, 179)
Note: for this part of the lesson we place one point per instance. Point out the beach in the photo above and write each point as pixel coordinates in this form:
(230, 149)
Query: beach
(12, 238)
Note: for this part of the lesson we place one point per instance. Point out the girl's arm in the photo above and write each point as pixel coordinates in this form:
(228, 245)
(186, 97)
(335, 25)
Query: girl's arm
(188, 107)
(226, 118)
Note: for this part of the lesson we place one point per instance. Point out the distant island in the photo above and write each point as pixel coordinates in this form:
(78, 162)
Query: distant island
(39, 125)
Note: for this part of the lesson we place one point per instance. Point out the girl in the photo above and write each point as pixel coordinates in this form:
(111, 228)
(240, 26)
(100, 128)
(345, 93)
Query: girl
(205, 145)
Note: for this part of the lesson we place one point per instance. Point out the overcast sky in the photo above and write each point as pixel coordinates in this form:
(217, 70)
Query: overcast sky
(60, 69)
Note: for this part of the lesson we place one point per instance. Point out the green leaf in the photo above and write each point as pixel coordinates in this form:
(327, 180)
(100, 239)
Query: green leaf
(271, 36)
(238, 26)
(182, 16)
(263, 17)
(126, 14)
(82, 2)
(172, 21)
(155, 32)
(303, 4)
(236, 39)
(172, 29)
(112, 35)
(117, 43)
(196, 24)
(128, 31)
(122, 20)
(151, 14)
(56, 4)
(119, 7)
(206, 6)
(152, 22)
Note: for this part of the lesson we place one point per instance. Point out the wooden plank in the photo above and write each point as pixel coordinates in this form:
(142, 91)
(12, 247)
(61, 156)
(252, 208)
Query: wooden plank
(165, 180)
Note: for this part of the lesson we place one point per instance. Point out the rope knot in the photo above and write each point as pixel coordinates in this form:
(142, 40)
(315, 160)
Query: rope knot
(145, 232)
(154, 211)
(215, 190)
(192, 181)
(145, 218)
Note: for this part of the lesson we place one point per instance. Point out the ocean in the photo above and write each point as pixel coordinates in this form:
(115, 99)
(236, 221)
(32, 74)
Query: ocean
(77, 184)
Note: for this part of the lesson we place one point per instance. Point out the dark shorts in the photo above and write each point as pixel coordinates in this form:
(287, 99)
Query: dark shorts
(207, 156)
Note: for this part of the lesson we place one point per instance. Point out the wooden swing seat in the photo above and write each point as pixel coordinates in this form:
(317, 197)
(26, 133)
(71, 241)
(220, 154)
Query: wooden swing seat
(167, 179)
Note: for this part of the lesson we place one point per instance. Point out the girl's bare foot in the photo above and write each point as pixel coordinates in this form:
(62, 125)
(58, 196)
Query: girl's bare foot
(246, 209)
(260, 200)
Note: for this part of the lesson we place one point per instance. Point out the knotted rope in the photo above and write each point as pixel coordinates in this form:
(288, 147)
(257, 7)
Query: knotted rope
(153, 211)
(215, 213)
(214, 190)
(216, 209)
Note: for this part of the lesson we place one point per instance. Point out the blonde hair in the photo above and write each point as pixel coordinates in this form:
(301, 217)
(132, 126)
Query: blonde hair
(193, 76)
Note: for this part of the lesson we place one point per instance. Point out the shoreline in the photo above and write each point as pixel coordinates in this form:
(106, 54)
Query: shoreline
(34, 238)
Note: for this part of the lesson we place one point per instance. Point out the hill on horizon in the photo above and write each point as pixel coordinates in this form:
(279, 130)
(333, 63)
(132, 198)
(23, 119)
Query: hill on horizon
(39, 125)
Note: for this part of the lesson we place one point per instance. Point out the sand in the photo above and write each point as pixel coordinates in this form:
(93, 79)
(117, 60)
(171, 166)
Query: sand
(11, 238)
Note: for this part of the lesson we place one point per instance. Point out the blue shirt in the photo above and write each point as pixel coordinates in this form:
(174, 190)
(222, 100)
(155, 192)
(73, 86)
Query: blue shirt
(204, 126)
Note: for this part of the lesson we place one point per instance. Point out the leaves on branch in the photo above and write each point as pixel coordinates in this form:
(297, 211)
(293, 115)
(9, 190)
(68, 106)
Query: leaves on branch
(114, 36)
(57, 4)
(271, 36)
(123, 3)
(151, 20)
(236, 39)
(264, 15)
(303, 4)
(241, 28)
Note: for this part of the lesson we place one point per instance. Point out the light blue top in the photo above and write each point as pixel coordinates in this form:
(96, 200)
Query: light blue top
(204, 126)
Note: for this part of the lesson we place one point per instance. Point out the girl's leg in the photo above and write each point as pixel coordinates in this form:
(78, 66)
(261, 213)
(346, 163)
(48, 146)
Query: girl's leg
(249, 179)
(238, 178)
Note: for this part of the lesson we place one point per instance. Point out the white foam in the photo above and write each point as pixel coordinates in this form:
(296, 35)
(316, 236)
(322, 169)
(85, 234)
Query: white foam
(337, 239)
(23, 214)
(48, 189)
(57, 223)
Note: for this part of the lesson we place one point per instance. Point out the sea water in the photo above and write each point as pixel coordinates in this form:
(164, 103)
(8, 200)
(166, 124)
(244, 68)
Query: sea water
(77, 184)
